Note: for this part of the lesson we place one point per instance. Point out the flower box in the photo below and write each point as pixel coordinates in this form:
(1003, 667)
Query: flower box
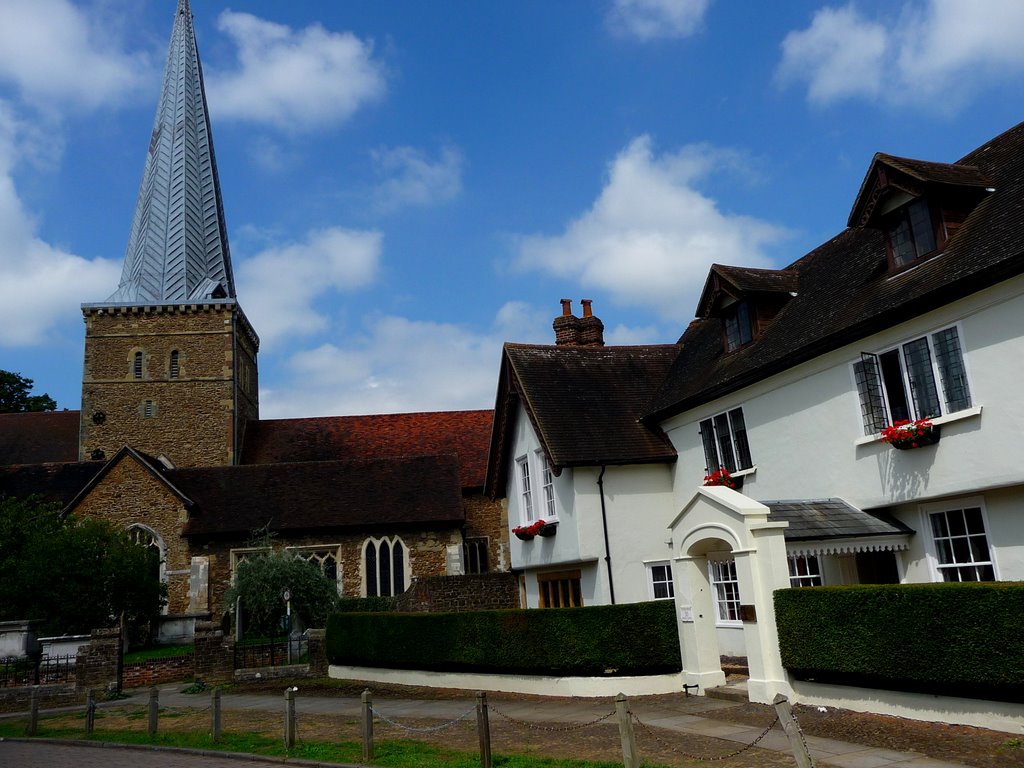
(721, 476)
(536, 528)
(905, 435)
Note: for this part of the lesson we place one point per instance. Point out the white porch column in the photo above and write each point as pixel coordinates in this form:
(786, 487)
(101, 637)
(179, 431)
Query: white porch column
(695, 618)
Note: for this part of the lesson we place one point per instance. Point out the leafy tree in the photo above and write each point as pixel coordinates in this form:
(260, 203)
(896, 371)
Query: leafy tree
(74, 575)
(15, 397)
(261, 580)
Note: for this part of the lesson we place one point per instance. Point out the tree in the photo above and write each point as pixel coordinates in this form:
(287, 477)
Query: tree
(74, 575)
(260, 582)
(15, 397)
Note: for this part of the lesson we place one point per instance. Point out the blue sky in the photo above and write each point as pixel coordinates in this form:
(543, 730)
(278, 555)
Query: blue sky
(407, 185)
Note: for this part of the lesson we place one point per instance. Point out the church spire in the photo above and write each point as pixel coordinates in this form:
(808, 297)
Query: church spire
(178, 248)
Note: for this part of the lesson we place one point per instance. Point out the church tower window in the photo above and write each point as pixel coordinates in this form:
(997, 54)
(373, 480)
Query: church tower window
(137, 365)
(175, 368)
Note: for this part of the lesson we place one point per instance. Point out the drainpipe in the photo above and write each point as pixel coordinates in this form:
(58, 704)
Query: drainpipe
(607, 548)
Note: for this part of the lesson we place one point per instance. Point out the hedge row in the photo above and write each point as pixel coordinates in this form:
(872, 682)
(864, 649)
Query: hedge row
(632, 639)
(954, 639)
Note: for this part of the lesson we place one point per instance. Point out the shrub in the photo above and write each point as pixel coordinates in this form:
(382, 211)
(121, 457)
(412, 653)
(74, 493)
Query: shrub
(954, 639)
(631, 639)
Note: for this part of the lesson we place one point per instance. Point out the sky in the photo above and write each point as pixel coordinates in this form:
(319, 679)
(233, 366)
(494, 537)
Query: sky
(408, 185)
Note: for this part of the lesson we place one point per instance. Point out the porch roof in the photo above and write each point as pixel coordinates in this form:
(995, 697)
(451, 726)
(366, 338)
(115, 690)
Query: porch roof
(818, 519)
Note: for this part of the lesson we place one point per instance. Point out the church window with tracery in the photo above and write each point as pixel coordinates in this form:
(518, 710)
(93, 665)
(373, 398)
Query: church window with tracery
(385, 568)
(325, 556)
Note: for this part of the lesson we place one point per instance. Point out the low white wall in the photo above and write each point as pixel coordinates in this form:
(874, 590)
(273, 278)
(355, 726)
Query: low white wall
(999, 716)
(65, 645)
(592, 687)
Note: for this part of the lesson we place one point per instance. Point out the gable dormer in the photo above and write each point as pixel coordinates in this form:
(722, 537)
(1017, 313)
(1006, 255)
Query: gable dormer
(916, 204)
(745, 300)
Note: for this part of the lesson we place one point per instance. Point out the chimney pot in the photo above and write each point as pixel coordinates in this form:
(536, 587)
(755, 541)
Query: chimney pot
(566, 307)
(587, 310)
(591, 327)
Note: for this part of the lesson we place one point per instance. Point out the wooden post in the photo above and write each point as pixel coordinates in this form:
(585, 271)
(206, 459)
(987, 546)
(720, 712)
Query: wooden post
(483, 729)
(33, 712)
(154, 710)
(367, 700)
(796, 739)
(215, 706)
(630, 759)
(90, 711)
(289, 718)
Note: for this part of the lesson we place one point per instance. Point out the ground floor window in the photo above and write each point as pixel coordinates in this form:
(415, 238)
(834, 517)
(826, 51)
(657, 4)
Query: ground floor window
(961, 544)
(726, 588)
(561, 589)
(660, 575)
(325, 556)
(804, 571)
(474, 554)
(385, 567)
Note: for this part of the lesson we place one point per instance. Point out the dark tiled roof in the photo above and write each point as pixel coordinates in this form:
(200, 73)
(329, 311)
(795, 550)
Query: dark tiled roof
(752, 280)
(332, 438)
(316, 496)
(958, 174)
(846, 292)
(58, 482)
(35, 438)
(584, 403)
(831, 519)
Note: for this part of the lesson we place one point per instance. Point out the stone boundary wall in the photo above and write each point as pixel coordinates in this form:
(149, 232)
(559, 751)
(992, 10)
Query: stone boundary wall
(475, 592)
(140, 674)
(50, 696)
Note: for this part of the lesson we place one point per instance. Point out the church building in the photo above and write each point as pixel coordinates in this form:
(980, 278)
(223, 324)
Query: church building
(169, 444)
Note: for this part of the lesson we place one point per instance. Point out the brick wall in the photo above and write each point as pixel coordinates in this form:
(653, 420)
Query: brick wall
(49, 696)
(214, 654)
(98, 664)
(486, 591)
(141, 674)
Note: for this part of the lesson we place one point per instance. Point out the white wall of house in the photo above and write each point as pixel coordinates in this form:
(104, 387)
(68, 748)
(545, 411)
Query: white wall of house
(637, 506)
(807, 438)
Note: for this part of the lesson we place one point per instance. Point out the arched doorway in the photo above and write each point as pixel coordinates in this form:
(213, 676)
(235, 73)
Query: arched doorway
(730, 558)
(144, 536)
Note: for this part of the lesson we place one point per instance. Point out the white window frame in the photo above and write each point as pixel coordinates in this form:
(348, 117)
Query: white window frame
(653, 580)
(878, 380)
(528, 512)
(716, 441)
(937, 568)
(811, 577)
(725, 592)
(547, 487)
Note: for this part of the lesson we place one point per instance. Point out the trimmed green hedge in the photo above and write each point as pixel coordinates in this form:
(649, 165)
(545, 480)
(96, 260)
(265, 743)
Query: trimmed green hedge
(631, 639)
(366, 604)
(954, 639)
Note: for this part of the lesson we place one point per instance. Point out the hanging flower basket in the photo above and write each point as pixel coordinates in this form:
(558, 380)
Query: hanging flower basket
(906, 434)
(721, 476)
(536, 528)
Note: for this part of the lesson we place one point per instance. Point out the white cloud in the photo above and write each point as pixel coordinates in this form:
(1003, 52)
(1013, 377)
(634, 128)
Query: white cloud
(282, 284)
(652, 19)
(396, 365)
(953, 50)
(41, 285)
(296, 80)
(56, 53)
(650, 236)
(414, 179)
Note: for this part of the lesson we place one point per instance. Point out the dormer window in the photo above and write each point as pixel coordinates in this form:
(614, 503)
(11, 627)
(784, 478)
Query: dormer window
(910, 233)
(738, 330)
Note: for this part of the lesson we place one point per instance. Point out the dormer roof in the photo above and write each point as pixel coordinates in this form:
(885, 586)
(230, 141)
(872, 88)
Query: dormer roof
(738, 282)
(914, 177)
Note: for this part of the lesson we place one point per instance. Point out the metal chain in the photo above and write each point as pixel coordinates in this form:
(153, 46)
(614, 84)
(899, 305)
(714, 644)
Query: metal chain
(800, 731)
(536, 726)
(684, 753)
(431, 729)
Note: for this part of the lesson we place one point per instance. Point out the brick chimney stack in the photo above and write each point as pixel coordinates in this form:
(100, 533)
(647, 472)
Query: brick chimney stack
(591, 327)
(567, 326)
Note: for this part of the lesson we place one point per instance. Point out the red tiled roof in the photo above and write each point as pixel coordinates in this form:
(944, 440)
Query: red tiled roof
(36, 438)
(332, 438)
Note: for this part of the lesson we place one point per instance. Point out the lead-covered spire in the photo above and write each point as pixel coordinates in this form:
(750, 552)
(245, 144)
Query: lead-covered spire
(178, 249)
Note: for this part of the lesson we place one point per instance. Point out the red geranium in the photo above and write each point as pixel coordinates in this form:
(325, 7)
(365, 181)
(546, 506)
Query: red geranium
(906, 433)
(720, 476)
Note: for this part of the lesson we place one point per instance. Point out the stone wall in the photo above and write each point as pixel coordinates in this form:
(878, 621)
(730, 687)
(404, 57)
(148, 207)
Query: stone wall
(488, 518)
(98, 664)
(482, 592)
(129, 494)
(49, 696)
(214, 654)
(193, 419)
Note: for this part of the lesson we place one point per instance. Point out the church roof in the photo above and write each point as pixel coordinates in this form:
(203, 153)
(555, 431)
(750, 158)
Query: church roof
(463, 433)
(178, 247)
(38, 437)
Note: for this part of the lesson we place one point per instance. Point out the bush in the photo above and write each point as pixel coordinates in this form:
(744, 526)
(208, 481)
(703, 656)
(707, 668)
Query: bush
(953, 639)
(631, 639)
(366, 604)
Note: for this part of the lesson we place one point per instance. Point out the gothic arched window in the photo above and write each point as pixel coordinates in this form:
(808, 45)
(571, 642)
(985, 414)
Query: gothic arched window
(384, 562)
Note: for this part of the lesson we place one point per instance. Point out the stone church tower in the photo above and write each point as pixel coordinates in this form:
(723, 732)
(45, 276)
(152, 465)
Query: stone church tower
(170, 358)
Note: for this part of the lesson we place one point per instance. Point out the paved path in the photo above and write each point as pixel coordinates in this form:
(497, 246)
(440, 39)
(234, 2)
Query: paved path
(692, 715)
